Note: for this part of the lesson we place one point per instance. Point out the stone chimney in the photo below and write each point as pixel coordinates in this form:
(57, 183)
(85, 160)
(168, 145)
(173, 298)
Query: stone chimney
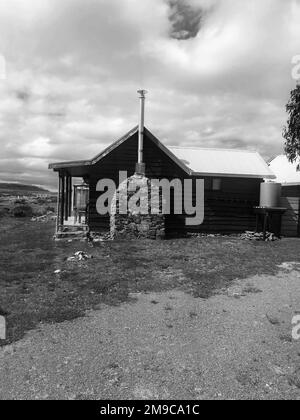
(144, 217)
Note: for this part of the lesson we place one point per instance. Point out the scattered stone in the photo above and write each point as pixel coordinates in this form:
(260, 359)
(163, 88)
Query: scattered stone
(45, 218)
(247, 378)
(279, 371)
(79, 256)
(251, 289)
(258, 236)
(273, 320)
(211, 235)
(294, 379)
(96, 237)
(238, 295)
(57, 271)
(286, 338)
(290, 266)
(248, 235)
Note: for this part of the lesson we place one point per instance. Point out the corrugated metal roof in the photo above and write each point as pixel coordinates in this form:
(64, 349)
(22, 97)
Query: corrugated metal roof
(285, 171)
(224, 162)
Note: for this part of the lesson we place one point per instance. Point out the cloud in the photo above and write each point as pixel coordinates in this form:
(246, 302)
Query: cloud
(40, 148)
(185, 19)
(218, 75)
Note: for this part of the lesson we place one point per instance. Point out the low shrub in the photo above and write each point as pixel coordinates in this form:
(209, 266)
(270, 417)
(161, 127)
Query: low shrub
(39, 211)
(50, 209)
(4, 211)
(41, 201)
(52, 199)
(20, 201)
(22, 210)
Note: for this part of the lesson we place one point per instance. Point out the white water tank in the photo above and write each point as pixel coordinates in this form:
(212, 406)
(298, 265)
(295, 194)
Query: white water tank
(270, 193)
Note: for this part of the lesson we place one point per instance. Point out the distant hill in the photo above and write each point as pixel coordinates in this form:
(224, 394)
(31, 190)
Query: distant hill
(21, 188)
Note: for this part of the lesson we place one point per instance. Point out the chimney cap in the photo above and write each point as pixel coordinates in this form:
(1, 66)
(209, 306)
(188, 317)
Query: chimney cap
(142, 92)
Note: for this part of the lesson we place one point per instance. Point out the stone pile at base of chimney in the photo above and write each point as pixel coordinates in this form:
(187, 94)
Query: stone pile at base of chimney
(136, 224)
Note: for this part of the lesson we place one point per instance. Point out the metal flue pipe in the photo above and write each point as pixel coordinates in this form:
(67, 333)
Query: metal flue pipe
(141, 127)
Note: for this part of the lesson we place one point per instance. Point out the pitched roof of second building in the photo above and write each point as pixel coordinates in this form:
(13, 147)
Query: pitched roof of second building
(285, 171)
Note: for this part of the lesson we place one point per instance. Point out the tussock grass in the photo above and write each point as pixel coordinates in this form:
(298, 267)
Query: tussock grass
(31, 293)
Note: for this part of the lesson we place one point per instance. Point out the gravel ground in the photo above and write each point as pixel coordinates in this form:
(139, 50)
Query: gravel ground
(235, 345)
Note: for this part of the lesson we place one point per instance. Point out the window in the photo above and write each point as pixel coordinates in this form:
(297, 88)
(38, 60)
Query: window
(213, 184)
(216, 184)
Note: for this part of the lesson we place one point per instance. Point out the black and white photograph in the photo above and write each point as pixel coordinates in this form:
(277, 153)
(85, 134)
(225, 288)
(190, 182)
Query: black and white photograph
(149, 203)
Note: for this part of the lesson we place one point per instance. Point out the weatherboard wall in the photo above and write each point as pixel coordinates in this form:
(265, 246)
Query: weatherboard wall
(291, 218)
(290, 190)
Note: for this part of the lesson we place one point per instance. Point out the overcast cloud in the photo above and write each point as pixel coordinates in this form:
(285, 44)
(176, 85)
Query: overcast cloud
(218, 74)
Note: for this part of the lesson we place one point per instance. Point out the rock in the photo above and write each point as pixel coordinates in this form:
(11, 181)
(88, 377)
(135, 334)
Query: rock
(44, 218)
(272, 319)
(290, 266)
(79, 256)
(279, 371)
(294, 379)
(258, 236)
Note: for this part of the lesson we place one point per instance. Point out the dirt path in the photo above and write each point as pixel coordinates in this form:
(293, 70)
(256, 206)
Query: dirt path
(234, 345)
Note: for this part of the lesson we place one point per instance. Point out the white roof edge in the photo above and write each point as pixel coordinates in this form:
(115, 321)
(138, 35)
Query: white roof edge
(274, 158)
(289, 184)
(220, 175)
(272, 174)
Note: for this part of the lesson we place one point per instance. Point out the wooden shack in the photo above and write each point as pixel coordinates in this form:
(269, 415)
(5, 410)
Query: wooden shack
(232, 182)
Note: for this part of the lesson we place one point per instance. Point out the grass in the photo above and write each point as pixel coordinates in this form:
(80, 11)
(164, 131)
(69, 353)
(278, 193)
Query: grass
(31, 293)
(38, 205)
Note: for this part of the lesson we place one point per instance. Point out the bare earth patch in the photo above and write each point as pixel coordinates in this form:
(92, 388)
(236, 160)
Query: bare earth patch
(218, 348)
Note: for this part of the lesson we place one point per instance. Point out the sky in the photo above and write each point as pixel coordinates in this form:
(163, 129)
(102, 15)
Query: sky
(217, 72)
